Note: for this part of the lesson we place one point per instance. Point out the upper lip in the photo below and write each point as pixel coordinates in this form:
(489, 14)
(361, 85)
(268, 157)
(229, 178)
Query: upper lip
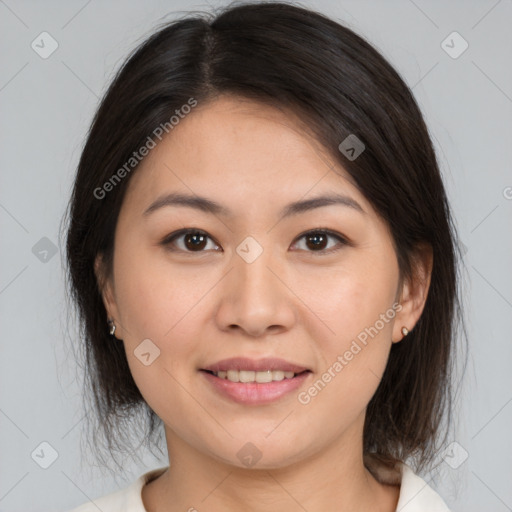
(256, 365)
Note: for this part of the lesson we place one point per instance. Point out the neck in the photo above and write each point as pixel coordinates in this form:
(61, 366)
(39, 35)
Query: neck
(337, 475)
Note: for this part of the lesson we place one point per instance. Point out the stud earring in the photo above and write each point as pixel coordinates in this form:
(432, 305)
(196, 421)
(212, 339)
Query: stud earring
(405, 332)
(112, 327)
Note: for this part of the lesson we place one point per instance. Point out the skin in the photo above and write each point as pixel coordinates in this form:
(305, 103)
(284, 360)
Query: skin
(291, 302)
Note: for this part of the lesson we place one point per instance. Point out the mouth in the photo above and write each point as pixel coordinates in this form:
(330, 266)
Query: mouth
(251, 388)
(250, 376)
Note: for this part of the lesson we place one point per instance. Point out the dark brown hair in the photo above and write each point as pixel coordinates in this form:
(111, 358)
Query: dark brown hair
(295, 59)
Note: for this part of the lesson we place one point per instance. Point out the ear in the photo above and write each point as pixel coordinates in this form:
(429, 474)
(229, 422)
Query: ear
(414, 292)
(106, 287)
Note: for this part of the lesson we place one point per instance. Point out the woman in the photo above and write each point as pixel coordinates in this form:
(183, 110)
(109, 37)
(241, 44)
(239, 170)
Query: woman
(262, 254)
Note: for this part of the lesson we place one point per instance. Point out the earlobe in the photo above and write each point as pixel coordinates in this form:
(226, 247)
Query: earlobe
(404, 332)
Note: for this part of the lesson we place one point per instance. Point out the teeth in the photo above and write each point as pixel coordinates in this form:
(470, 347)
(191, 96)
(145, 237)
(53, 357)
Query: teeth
(250, 376)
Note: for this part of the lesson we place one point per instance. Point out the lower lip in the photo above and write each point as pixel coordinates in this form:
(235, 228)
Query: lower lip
(255, 393)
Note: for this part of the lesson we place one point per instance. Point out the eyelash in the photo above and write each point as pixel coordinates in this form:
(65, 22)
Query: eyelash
(169, 239)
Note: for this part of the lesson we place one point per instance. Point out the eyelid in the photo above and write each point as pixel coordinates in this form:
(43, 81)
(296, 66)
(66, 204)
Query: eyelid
(329, 232)
(168, 239)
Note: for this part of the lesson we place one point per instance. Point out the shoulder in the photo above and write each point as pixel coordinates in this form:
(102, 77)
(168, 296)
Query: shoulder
(128, 499)
(114, 502)
(416, 495)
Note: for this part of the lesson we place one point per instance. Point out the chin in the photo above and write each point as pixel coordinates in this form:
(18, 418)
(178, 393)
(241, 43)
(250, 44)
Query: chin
(260, 455)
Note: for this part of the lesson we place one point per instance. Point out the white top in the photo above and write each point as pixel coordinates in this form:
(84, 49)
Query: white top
(415, 495)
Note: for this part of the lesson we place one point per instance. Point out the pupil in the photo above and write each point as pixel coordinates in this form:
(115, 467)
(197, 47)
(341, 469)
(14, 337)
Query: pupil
(316, 237)
(198, 240)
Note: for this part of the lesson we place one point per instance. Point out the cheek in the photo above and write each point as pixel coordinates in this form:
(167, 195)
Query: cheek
(159, 315)
(343, 302)
(154, 297)
(162, 304)
(354, 321)
(354, 358)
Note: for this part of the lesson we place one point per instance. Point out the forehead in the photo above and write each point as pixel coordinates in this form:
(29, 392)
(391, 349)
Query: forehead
(243, 152)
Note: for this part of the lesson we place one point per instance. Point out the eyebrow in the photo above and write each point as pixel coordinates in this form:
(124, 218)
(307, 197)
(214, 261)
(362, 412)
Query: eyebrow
(209, 206)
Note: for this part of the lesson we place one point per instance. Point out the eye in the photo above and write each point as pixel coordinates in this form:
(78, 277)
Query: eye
(317, 239)
(195, 240)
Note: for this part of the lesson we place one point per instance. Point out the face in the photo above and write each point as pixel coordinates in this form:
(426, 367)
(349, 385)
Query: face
(251, 282)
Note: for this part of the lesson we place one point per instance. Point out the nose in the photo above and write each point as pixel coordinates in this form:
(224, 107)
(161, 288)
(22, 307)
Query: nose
(256, 298)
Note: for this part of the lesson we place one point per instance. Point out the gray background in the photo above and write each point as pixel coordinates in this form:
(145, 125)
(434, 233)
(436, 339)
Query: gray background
(47, 105)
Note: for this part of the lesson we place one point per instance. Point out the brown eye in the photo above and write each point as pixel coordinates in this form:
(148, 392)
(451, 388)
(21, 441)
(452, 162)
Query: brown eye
(195, 241)
(317, 241)
(192, 240)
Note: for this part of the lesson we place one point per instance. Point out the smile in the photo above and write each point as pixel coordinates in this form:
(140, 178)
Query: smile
(255, 388)
(252, 376)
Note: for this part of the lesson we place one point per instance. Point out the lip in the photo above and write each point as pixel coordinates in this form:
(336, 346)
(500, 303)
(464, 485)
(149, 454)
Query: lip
(255, 365)
(255, 393)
